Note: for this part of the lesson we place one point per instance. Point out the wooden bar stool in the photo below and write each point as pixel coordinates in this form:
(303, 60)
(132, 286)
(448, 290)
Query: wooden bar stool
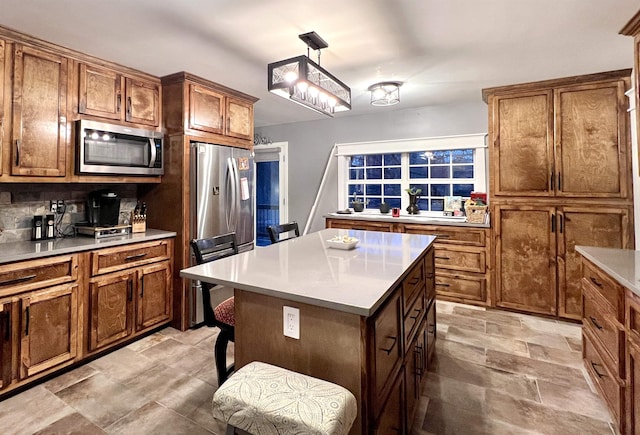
(262, 398)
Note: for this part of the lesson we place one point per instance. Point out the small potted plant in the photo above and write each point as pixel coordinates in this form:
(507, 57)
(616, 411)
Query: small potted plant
(357, 204)
(414, 196)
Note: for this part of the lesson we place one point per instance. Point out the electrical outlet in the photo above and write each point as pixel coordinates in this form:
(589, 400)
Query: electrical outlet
(291, 322)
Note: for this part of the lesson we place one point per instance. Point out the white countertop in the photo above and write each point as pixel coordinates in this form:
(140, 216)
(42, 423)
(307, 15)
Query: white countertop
(425, 218)
(622, 264)
(29, 250)
(306, 270)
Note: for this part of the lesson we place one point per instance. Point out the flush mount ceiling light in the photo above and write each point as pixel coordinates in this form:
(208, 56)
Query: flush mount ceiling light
(305, 82)
(385, 93)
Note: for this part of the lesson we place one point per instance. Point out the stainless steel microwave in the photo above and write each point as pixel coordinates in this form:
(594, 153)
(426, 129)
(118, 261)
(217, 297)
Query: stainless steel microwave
(114, 149)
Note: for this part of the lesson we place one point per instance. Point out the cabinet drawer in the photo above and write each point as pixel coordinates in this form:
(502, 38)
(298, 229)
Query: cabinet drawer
(611, 388)
(633, 317)
(123, 257)
(599, 319)
(463, 286)
(412, 318)
(387, 343)
(35, 274)
(608, 288)
(413, 284)
(460, 259)
(449, 235)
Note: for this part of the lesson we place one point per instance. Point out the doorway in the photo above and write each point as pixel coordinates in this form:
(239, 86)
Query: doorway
(271, 188)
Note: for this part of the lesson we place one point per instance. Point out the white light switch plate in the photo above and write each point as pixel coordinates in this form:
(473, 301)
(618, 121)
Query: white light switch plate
(291, 322)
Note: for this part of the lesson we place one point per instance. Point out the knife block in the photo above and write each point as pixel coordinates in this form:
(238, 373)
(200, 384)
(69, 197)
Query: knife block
(138, 223)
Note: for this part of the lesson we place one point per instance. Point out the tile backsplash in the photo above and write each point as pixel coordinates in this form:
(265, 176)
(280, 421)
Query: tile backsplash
(20, 202)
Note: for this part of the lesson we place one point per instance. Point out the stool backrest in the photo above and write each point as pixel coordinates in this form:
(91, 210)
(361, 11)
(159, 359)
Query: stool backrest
(275, 231)
(211, 249)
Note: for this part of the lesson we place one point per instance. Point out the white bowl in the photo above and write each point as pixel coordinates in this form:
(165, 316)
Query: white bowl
(341, 244)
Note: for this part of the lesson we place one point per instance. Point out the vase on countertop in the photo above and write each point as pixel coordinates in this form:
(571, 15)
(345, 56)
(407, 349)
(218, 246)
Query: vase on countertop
(413, 204)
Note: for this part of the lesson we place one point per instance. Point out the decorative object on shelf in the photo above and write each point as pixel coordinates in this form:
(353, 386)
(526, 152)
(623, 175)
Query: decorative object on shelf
(453, 206)
(395, 212)
(261, 140)
(305, 82)
(384, 208)
(476, 211)
(358, 204)
(414, 196)
(385, 93)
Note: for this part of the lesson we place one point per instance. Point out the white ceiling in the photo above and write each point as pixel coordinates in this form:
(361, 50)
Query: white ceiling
(445, 51)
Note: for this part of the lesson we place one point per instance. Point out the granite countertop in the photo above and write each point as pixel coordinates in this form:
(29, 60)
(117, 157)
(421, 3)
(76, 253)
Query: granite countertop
(29, 250)
(422, 218)
(623, 265)
(305, 269)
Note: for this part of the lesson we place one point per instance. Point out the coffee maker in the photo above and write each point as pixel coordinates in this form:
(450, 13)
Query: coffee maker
(103, 208)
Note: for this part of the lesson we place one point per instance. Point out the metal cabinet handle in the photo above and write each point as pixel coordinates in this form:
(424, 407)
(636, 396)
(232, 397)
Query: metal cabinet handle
(595, 281)
(129, 108)
(552, 181)
(442, 258)
(130, 291)
(135, 257)
(142, 287)
(118, 103)
(431, 329)
(17, 280)
(393, 344)
(559, 181)
(561, 222)
(593, 320)
(26, 322)
(443, 285)
(600, 375)
(553, 223)
(414, 280)
(17, 152)
(418, 311)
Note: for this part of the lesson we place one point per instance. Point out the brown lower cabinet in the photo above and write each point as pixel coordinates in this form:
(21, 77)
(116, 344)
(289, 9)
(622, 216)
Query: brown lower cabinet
(54, 314)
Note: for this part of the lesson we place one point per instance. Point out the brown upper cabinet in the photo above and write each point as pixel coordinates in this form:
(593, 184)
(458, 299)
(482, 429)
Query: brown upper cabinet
(39, 138)
(107, 93)
(207, 111)
(560, 138)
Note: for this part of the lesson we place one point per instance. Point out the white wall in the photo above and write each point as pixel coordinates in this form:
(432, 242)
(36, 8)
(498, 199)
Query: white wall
(310, 143)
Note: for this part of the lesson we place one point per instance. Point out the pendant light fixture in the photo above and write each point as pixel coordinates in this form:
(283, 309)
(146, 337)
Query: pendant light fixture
(385, 93)
(305, 82)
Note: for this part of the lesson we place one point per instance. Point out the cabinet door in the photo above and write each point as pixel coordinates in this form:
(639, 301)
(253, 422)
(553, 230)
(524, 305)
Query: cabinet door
(592, 226)
(154, 295)
(100, 92)
(525, 247)
(3, 120)
(110, 305)
(143, 102)
(391, 419)
(6, 342)
(49, 327)
(39, 113)
(415, 371)
(633, 389)
(206, 109)
(591, 141)
(239, 118)
(522, 144)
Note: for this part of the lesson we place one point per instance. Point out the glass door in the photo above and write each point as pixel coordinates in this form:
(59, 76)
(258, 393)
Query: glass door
(271, 197)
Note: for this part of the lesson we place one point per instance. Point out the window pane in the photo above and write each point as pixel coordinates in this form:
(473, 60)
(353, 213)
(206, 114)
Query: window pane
(423, 204)
(462, 189)
(357, 160)
(374, 189)
(374, 174)
(465, 171)
(441, 157)
(356, 174)
(393, 202)
(440, 190)
(392, 190)
(439, 172)
(392, 173)
(418, 172)
(374, 203)
(423, 187)
(374, 160)
(418, 158)
(356, 189)
(462, 156)
(437, 205)
(392, 159)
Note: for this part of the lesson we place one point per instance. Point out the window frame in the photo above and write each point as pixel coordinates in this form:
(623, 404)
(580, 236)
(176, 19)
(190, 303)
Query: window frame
(477, 142)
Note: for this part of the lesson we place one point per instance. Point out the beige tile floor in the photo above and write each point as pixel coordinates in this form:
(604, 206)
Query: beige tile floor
(494, 373)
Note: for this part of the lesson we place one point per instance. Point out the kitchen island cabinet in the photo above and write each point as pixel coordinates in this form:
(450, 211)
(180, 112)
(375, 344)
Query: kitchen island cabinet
(365, 315)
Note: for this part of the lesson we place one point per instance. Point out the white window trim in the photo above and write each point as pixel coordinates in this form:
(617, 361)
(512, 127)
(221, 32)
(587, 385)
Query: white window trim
(469, 141)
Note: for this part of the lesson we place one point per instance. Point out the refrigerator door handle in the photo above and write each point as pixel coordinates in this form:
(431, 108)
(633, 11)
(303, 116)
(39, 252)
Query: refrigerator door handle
(229, 191)
(236, 197)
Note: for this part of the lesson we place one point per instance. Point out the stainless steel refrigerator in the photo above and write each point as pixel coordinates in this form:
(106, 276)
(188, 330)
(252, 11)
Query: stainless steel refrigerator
(222, 200)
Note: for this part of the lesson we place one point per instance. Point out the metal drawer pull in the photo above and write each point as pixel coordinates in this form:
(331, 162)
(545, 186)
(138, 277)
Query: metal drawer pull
(17, 280)
(135, 257)
(431, 329)
(417, 315)
(414, 281)
(600, 375)
(443, 258)
(392, 345)
(26, 326)
(593, 320)
(595, 281)
(443, 285)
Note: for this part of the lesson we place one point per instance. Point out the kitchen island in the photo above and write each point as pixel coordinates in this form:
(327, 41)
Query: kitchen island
(366, 316)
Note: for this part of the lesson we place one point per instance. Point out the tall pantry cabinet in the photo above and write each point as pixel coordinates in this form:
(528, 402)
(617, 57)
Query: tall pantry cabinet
(560, 176)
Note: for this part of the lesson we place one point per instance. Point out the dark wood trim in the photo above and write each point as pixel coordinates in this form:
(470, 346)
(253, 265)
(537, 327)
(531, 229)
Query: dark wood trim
(185, 76)
(632, 28)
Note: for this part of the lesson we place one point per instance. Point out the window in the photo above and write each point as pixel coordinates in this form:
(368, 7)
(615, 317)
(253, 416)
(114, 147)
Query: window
(377, 176)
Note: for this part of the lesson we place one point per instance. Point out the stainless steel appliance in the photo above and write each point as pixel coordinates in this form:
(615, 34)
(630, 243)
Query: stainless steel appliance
(115, 149)
(103, 213)
(222, 200)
